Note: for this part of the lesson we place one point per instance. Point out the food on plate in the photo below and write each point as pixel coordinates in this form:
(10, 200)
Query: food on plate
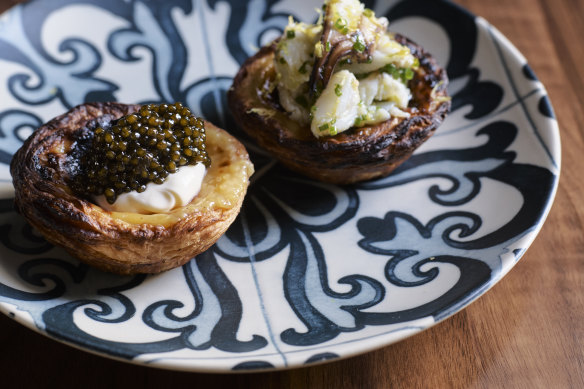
(342, 100)
(131, 189)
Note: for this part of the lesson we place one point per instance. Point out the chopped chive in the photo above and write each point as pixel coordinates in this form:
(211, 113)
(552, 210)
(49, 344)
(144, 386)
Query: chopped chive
(282, 60)
(387, 68)
(341, 26)
(328, 46)
(401, 74)
(409, 74)
(330, 126)
(359, 121)
(392, 70)
(302, 69)
(359, 45)
(367, 12)
(290, 34)
(338, 90)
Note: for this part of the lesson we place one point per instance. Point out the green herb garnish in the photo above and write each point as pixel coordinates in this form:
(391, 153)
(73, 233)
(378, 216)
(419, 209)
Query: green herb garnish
(402, 74)
(330, 127)
(409, 74)
(341, 26)
(367, 12)
(359, 45)
(359, 120)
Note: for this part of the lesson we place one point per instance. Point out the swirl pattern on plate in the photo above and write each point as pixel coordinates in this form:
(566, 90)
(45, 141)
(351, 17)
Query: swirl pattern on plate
(308, 272)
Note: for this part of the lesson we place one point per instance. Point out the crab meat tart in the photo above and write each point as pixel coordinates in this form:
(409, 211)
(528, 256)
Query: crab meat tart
(123, 242)
(341, 101)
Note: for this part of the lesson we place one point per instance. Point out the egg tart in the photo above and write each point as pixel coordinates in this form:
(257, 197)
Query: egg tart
(342, 100)
(45, 172)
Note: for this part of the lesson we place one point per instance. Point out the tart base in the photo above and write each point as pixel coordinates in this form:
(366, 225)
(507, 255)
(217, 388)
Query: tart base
(118, 242)
(358, 154)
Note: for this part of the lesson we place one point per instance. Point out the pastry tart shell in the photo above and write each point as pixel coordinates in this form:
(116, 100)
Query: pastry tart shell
(120, 242)
(355, 155)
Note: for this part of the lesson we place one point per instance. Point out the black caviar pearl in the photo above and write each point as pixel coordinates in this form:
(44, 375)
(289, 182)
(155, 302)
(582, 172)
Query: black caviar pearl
(140, 148)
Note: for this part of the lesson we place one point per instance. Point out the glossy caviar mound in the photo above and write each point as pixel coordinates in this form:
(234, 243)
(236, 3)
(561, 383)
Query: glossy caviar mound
(146, 146)
(123, 242)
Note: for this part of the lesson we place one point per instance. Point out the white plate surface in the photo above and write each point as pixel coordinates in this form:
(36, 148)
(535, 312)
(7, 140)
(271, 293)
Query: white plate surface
(308, 272)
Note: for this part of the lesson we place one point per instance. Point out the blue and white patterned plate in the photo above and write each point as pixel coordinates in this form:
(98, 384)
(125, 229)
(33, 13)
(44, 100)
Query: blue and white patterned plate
(308, 272)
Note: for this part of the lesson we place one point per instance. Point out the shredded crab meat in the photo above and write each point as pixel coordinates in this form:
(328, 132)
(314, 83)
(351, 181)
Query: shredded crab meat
(347, 33)
(345, 71)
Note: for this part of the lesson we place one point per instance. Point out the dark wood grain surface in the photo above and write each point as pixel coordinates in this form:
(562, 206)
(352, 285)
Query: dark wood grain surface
(527, 332)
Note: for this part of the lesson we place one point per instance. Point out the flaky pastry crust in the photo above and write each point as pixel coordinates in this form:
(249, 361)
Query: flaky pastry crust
(355, 155)
(118, 242)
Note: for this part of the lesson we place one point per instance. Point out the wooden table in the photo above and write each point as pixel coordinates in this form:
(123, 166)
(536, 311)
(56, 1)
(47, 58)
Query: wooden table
(527, 332)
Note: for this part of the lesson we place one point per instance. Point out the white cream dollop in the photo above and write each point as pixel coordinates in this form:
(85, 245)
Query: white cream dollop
(176, 191)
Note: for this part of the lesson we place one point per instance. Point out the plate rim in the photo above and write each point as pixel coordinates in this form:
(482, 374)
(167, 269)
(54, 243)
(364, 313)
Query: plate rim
(530, 236)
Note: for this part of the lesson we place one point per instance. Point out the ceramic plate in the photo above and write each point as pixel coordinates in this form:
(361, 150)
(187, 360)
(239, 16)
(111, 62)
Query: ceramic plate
(308, 272)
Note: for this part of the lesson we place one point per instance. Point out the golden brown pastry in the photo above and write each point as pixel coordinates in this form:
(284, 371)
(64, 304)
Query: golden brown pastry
(361, 152)
(124, 242)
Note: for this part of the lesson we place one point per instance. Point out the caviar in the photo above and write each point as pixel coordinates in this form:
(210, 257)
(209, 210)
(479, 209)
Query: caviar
(140, 148)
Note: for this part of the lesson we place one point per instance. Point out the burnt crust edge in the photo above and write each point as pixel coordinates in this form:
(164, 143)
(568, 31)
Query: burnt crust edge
(358, 154)
(90, 233)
